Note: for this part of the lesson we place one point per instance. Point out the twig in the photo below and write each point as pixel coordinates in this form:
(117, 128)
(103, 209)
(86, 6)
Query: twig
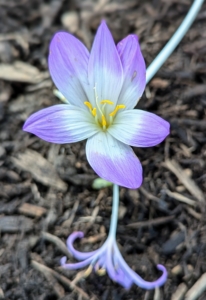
(197, 289)
(156, 221)
(175, 168)
(59, 290)
(180, 292)
(65, 281)
(193, 213)
(157, 295)
(69, 221)
(57, 242)
(181, 198)
(93, 239)
(148, 195)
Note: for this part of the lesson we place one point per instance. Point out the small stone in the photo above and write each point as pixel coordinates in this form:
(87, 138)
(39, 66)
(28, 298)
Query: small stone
(70, 20)
(1, 294)
(177, 270)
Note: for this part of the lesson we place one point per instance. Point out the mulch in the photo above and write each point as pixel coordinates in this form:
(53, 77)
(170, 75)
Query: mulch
(46, 190)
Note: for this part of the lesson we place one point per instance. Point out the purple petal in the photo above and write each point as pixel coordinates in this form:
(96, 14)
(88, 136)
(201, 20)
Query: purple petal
(134, 71)
(63, 260)
(77, 254)
(68, 63)
(116, 274)
(114, 161)
(139, 128)
(61, 124)
(105, 69)
(78, 265)
(101, 263)
(136, 278)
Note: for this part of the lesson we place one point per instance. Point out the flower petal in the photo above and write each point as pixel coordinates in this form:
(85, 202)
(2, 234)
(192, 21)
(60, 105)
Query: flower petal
(105, 69)
(75, 266)
(77, 254)
(61, 124)
(114, 161)
(114, 270)
(68, 62)
(139, 281)
(139, 128)
(134, 71)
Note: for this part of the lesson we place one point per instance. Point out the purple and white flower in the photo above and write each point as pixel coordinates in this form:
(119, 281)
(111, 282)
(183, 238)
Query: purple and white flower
(102, 88)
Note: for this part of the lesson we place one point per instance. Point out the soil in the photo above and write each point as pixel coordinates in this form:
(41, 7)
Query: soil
(46, 190)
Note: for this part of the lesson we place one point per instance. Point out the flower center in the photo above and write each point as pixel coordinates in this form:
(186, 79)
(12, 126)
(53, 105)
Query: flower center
(103, 118)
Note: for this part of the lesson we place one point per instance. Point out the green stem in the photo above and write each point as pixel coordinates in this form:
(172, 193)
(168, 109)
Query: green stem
(114, 217)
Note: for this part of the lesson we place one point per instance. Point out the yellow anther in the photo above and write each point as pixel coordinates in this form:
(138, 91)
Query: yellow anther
(113, 113)
(94, 111)
(106, 102)
(121, 106)
(88, 271)
(101, 272)
(88, 104)
(104, 122)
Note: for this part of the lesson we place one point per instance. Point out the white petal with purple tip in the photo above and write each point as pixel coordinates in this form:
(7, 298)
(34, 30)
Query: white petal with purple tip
(134, 71)
(61, 124)
(139, 128)
(113, 160)
(68, 62)
(105, 68)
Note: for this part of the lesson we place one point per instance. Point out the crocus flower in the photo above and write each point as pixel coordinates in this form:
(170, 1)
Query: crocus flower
(102, 88)
(109, 259)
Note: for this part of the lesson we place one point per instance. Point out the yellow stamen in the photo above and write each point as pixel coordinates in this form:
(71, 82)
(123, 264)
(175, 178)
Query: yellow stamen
(107, 102)
(101, 272)
(88, 271)
(88, 104)
(94, 111)
(104, 122)
(113, 113)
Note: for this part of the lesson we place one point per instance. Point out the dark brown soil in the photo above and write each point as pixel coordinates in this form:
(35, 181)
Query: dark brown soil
(45, 189)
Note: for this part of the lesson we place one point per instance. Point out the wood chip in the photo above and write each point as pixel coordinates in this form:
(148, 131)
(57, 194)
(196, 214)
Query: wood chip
(93, 239)
(12, 224)
(189, 122)
(68, 222)
(32, 210)
(58, 289)
(153, 222)
(181, 198)
(197, 289)
(40, 169)
(197, 90)
(160, 83)
(157, 294)
(11, 190)
(65, 281)
(21, 72)
(70, 20)
(175, 240)
(1, 294)
(180, 292)
(190, 185)
(177, 270)
(193, 213)
(117, 6)
(57, 242)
